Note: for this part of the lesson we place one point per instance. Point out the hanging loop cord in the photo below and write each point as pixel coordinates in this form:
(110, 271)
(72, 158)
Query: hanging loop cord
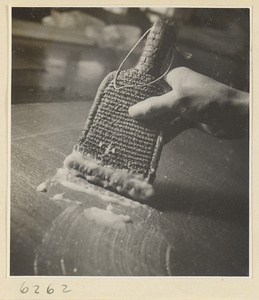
(144, 84)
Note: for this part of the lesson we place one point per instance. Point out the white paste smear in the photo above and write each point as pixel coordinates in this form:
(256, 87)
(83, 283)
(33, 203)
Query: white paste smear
(123, 181)
(167, 258)
(63, 267)
(109, 207)
(63, 175)
(106, 218)
(43, 187)
(35, 264)
(60, 197)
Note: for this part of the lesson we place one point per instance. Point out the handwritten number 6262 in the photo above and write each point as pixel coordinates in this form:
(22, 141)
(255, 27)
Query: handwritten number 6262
(50, 290)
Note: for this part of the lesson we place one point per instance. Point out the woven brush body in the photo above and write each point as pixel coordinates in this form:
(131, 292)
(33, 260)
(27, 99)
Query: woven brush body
(114, 150)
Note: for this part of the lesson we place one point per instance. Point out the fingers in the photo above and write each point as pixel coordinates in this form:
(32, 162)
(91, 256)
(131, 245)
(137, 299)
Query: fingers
(171, 101)
(152, 107)
(178, 75)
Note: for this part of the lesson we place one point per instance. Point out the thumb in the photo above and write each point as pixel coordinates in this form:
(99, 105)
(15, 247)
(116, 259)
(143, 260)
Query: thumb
(152, 107)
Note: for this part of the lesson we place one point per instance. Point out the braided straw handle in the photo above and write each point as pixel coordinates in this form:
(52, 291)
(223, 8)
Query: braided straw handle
(160, 40)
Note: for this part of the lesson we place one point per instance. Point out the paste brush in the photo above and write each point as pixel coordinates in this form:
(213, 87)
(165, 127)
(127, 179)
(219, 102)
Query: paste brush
(114, 150)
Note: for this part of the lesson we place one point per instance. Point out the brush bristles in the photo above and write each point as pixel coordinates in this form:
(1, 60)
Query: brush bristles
(123, 181)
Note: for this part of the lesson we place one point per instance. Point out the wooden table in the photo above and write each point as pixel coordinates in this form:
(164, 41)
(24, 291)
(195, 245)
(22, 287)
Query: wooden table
(198, 224)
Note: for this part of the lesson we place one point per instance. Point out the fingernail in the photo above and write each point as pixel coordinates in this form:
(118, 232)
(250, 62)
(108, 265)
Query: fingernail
(134, 111)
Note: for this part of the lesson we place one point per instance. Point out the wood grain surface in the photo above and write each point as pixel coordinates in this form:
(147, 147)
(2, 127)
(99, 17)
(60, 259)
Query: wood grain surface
(197, 225)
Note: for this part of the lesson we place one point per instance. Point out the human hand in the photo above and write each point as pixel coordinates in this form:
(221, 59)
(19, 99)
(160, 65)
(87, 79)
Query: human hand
(201, 102)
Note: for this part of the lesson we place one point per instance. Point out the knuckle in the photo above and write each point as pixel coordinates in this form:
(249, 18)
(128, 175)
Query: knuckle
(176, 77)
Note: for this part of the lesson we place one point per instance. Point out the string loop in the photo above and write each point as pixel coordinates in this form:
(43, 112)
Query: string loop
(144, 84)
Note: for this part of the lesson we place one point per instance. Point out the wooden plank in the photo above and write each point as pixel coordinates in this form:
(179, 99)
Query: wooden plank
(40, 119)
(196, 225)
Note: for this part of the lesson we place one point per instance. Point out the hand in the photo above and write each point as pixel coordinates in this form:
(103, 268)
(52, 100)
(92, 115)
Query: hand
(199, 102)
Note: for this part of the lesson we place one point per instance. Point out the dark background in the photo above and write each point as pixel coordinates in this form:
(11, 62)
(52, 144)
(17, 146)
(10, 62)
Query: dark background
(218, 40)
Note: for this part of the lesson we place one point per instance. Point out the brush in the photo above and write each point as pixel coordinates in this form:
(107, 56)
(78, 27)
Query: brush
(114, 150)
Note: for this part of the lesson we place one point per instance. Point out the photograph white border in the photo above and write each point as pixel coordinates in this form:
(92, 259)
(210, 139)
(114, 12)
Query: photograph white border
(127, 287)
